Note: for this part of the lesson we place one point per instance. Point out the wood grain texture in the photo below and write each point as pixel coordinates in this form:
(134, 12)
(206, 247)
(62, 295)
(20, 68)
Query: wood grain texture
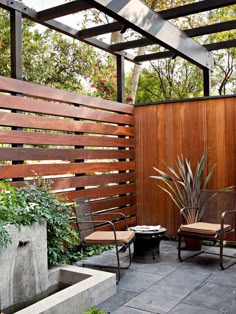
(105, 192)
(63, 154)
(40, 138)
(45, 123)
(74, 139)
(71, 182)
(15, 171)
(164, 131)
(50, 93)
(62, 110)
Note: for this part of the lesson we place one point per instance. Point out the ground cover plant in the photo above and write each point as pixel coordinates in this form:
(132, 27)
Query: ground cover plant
(34, 203)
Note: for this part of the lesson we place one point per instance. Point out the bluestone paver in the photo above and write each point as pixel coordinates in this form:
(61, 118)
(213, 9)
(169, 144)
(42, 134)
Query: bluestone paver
(182, 308)
(211, 296)
(169, 286)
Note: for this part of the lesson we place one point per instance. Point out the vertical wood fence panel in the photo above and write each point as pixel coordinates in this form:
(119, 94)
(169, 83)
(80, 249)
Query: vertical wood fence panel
(164, 131)
(85, 145)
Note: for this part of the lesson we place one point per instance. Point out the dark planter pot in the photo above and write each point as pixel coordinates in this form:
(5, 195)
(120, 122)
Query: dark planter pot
(193, 244)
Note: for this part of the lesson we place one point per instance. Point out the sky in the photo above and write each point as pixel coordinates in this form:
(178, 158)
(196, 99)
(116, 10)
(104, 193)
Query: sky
(69, 20)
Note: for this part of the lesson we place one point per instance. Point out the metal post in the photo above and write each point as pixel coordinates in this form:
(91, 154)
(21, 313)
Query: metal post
(16, 44)
(120, 79)
(207, 82)
(16, 61)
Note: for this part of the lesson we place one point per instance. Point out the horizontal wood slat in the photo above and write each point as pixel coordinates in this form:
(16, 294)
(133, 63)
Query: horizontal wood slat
(63, 154)
(15, 171)
(120, 225)
(82, 181)
(23, 137)
(57, 109)
(36, 122)
(128, 211)
(50, 93)
(96, 193)
(113, 202)
(85, 145)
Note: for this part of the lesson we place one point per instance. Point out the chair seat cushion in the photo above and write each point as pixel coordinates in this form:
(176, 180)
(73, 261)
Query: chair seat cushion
(107, 237)
(204, 228)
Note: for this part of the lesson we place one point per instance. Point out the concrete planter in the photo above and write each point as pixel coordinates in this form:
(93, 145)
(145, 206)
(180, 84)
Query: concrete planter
(24, 265)
(28, 287)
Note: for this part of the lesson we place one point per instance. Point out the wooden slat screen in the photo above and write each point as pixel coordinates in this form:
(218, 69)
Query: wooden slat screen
(164, 131)
(84, 144)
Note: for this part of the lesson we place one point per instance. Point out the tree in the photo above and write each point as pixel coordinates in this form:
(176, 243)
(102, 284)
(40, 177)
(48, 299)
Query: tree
(157, 6)
(49, 58)
(169, 79)
(224, 74)
(103, 78)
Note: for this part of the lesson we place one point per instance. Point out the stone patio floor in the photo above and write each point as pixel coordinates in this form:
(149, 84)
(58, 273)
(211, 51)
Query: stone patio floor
(196, 286)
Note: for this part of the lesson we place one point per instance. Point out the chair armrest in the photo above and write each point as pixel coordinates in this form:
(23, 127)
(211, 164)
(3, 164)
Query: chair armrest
(224, 214)
(181, 215)
(108, 213)
(99, 221)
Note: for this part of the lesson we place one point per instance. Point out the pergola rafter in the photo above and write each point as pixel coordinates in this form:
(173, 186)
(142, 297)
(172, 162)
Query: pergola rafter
(194, 32)
(136, 15)
(153, 27)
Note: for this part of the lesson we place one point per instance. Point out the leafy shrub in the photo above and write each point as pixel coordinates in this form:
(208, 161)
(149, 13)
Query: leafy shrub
(94, 310)
(35, 203)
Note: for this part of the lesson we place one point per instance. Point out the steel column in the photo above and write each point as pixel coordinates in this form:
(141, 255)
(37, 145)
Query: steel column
(16, 44)
(120, 78)
(16, 60)
(207, 82)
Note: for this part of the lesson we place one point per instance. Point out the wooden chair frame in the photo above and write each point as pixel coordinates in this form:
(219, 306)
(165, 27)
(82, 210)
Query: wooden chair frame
(115, 242)
(217, 237)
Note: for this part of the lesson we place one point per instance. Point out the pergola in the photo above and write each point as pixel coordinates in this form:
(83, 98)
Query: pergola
(153, 28)
(126, 141)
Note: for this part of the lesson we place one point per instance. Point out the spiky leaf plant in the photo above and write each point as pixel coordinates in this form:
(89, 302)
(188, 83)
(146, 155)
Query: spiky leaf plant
(185, 187)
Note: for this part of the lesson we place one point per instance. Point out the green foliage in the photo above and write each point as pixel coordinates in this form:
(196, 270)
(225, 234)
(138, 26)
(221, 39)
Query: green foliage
(94, 310)
(34, 203)
(168, 80)
(75, 253)
(49, 58)
(4, 43)
(103, 78)
(224, 74)
(185, 187)
(53, 60)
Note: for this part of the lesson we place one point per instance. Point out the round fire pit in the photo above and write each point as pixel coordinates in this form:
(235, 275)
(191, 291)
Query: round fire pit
(147, 243)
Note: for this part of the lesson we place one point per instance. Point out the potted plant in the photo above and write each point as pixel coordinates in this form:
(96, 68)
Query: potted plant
(185, 187)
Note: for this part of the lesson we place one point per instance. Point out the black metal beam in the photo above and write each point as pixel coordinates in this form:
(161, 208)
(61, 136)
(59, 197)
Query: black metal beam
(170, 54)
(138, 16)
(62, 10)
(60, 27)
(155, 56)
(194, 32)
(211, 29)
(222, 45)
(142, 42)
(120, 78)
(206, 82)
(100, 30)
(194, 8)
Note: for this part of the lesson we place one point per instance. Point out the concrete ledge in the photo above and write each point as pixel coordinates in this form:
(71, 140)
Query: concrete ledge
(89, 288)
